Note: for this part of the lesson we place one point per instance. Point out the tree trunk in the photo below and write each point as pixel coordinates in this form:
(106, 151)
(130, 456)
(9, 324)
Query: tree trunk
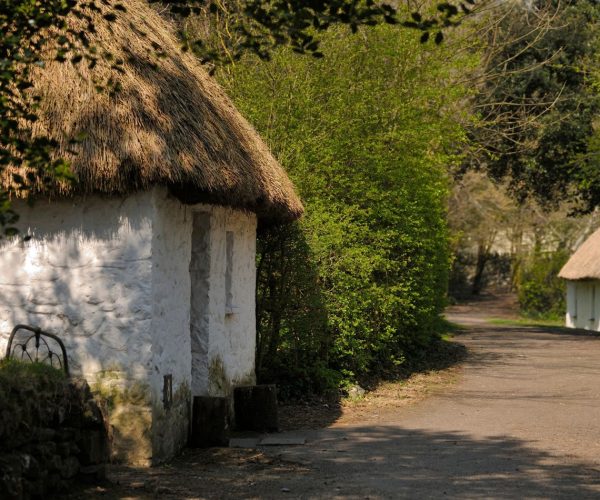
(482, 258)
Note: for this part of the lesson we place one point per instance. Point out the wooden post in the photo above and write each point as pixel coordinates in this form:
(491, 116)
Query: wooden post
(210, 422)
(256, 408)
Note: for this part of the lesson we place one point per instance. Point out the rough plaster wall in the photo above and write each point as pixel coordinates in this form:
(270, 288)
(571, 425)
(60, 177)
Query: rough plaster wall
(112, 277)
(571, 316)
(171, 349)
(583, 305)
(206, 349)
(199, 270)
(232, 336)
(84, 275)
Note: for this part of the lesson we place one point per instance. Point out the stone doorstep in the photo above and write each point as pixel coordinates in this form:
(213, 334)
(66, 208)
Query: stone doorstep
(274, 440)
(244, 442)
(287, 439)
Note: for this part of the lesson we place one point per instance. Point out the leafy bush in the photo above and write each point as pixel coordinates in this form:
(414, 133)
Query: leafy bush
(541, 292)
(356, 287)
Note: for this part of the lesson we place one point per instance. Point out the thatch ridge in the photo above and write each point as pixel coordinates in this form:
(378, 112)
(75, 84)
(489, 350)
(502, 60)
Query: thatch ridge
(585, 262)
(170, 124)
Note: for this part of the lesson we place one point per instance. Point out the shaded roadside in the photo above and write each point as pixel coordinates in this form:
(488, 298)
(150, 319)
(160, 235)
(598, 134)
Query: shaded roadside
(437, 367)
(365, 461)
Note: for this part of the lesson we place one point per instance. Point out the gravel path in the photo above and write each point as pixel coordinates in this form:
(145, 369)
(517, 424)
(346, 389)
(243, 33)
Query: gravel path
(524, 422)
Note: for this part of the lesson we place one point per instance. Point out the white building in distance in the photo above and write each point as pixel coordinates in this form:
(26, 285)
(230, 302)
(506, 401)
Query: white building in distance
(582, 273)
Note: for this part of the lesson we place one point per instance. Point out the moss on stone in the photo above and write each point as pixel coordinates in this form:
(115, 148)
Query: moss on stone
(219, 382)
(130, 416)
(170, 426)
(115, 391)
(248, 379)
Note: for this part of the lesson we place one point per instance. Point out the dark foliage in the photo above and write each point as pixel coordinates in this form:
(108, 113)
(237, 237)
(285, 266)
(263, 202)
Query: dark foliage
(354, 289)
(540, 105)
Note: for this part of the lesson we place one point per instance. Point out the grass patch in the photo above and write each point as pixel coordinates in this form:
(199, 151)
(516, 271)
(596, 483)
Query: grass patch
(14, 369)
(31, 396)
(449, 329)
(554, 323)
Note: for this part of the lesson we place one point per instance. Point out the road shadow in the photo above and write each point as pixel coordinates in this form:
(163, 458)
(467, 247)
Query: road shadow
(322, 411)
(490, 334)
(555, 330)
(392, 462)
(361, 462)
(492, 344)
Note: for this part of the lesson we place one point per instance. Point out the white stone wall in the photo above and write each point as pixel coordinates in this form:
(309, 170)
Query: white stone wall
(232, 330)
(232, 333)
(86, 276)
(571, 315)
(170, 291)
(222, 354)
(200, 293)
(113, 278)
(583, 305)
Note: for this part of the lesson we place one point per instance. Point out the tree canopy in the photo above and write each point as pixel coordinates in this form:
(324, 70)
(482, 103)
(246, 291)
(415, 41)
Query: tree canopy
(539, 104)
(34, 31)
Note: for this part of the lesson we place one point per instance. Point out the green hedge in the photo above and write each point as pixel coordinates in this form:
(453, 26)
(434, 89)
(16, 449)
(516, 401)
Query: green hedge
(541, 292)
(356, 287)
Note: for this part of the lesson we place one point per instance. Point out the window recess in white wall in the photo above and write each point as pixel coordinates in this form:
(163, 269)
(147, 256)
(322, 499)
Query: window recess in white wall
(230, 307)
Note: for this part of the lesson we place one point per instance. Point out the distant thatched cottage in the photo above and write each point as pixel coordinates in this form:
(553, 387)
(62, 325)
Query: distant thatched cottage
(146, 267)
(582, 272)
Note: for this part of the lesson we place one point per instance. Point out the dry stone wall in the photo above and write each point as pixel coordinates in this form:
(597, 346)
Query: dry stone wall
(52, 433)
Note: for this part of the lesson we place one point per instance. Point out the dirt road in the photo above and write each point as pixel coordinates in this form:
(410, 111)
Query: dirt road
(523, 421)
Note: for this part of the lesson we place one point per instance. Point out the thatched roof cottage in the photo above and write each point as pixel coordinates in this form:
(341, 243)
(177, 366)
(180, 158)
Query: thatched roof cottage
(582, 272)
(146, 266)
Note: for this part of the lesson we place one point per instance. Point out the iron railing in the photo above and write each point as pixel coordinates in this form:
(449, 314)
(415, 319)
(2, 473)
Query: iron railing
(37, 351)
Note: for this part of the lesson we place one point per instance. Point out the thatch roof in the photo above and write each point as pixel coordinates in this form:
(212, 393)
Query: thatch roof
(585, 262)
(170, 124)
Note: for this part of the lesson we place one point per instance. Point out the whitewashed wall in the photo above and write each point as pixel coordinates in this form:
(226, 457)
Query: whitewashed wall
(571, 315)
(232, 332)
(170, 302)
(112, 277)
(85, 275)
(583, 305)
(206, 348)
